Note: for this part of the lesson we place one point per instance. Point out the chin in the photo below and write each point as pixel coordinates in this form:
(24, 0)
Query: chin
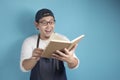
(47, 35)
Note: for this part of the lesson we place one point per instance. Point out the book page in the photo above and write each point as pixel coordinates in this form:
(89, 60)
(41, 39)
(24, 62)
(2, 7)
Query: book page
(53, 46)
(75, 41)
(57, 44)
(58, 38)
(78, 38)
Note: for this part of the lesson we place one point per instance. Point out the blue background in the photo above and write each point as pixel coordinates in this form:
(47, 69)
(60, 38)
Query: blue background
(99, 20)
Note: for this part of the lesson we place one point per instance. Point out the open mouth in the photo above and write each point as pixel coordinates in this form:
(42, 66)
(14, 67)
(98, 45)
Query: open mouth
(48, 31)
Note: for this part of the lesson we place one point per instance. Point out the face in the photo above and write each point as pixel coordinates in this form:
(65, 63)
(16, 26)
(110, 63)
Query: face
(46, 27)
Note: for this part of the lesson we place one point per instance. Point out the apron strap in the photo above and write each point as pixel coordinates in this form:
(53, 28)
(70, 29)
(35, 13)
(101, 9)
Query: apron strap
(38, 40)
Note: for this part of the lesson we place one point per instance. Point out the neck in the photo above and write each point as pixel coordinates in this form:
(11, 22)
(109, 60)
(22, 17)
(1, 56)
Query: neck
(46, 37)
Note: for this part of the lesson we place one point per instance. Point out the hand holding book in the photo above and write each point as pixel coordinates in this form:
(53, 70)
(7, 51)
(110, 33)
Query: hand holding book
(67, 56)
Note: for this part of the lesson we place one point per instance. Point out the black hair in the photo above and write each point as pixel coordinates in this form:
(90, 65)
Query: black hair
(43, 13)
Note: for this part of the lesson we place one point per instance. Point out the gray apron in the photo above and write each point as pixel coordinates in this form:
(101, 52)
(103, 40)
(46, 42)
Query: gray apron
(48, 69)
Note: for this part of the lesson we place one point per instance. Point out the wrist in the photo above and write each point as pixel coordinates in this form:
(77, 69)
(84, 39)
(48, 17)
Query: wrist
(70, 61)
(35, 59)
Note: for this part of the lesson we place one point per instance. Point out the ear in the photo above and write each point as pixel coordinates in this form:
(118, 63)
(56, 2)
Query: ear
(36, 24)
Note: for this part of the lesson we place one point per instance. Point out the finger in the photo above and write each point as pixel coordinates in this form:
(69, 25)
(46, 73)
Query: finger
(66, 51)
(37, 50)
(74, 47)
(60, 53)
(36, 55)
(55, 56)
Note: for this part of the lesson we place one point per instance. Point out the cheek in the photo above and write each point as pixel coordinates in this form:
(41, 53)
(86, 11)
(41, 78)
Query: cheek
(42, 28)
(53, 26)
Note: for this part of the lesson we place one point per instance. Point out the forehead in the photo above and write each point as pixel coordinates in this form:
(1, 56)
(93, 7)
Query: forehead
(47, 18)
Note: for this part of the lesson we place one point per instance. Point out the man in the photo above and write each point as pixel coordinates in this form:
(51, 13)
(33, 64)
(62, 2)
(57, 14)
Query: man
(45, 68)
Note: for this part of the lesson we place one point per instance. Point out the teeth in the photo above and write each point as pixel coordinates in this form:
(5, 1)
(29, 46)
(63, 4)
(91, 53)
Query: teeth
(47, 30)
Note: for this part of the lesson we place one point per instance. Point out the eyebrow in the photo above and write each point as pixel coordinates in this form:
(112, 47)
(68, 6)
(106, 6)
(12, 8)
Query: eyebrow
(47, 21)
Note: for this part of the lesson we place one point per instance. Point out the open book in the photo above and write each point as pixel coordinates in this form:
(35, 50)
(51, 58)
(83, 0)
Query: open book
(58, 44)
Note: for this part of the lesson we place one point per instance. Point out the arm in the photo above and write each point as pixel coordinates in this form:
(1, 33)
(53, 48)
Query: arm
(73, 62)
(28, 64)
(67, 56)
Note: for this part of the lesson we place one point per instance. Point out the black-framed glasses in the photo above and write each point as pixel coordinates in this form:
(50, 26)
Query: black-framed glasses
(45, 23)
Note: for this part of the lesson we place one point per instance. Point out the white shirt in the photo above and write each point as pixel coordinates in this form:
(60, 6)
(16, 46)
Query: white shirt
(29, 45)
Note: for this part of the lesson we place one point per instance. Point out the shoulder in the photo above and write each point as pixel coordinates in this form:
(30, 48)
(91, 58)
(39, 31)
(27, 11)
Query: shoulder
(31, 39)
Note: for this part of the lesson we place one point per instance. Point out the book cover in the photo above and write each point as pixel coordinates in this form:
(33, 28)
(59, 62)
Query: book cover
(59, 44)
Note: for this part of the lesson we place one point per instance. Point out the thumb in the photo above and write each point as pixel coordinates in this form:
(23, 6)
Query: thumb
(73, 48)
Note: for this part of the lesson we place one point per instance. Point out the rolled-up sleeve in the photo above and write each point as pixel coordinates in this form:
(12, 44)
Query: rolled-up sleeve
(26, 52)
(78, 62)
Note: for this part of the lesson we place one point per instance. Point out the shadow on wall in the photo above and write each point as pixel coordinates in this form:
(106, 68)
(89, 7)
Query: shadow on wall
(10, 69)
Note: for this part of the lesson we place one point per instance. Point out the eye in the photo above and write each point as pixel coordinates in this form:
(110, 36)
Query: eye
(51, 22)
(44, 22)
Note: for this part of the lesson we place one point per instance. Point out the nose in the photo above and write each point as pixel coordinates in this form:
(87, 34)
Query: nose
(48, 23)
(48, 26)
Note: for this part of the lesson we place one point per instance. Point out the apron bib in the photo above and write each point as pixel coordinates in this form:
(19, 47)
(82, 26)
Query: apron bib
(48, 69)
